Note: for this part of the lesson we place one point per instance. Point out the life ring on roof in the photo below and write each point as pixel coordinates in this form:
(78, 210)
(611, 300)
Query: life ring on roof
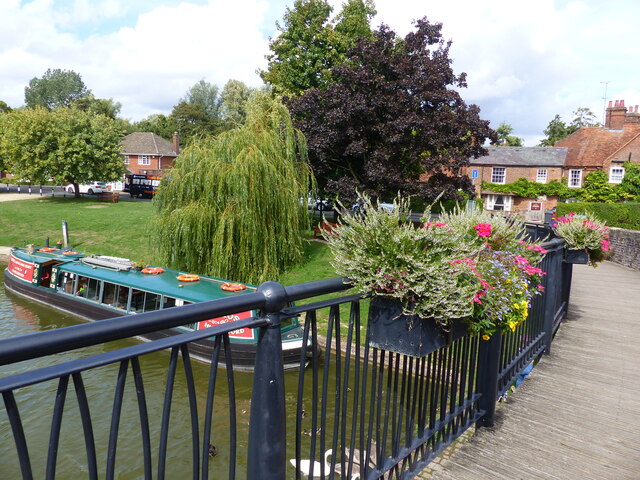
(46, 249)
(153, 270)
(232, 287)
(70, 252)
(188, 277)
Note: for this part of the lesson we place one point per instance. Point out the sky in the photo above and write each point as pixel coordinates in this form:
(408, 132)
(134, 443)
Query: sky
(525, 60)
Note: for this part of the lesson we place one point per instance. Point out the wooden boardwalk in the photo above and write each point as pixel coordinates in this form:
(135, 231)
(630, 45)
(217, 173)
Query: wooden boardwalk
(577, 416)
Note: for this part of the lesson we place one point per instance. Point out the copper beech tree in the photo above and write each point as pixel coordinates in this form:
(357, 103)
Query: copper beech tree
(392, 114)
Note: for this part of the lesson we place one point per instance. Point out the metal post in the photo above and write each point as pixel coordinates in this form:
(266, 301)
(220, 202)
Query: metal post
(551, 296)
(65, 234)
(267, 426)
(488, 370)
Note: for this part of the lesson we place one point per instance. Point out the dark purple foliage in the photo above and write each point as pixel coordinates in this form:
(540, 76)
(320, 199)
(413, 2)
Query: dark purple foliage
(392, 115)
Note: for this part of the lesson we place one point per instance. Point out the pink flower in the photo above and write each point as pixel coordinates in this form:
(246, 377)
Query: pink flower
(483, 229)
(604, 243)
(520, 260)
(531, 270)
(434, 224)
(540, 287)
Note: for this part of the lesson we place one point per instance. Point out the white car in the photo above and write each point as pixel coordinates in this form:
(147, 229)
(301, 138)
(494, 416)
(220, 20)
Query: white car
(90, 188)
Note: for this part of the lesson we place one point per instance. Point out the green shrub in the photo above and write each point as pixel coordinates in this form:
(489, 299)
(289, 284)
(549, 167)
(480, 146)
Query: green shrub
(622, 215)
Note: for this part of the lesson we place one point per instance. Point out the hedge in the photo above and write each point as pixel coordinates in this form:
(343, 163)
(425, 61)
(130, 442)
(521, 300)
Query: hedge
(622, 215)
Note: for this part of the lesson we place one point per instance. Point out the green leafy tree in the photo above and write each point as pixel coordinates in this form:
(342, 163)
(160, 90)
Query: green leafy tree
(505, 138)
(4, 108)
(584, 117)
(393, 113)
(70, 145)
(204, 94)
(157, 123)
(231, 205)
(193, 122)
(98, 106)
(233, 106)
(309, 46)
(56, 88)
(556, 131)
(631, 181)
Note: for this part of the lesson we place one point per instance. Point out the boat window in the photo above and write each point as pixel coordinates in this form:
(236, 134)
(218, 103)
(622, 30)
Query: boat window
(168, 302)
(115, 295)
(88, 288)
(142, 301)
(66, 282)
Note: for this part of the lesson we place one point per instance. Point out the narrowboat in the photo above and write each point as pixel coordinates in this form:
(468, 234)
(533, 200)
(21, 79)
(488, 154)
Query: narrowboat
(100, 287)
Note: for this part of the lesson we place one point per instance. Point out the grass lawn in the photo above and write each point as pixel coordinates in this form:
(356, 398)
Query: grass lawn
(119, 229)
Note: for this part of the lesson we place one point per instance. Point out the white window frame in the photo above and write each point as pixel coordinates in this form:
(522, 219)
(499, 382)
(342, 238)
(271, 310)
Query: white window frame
(571, 182)
(497, 173)
(618, 176)
(491, 202)
(126, 159)
(144, 160)
(541, 175)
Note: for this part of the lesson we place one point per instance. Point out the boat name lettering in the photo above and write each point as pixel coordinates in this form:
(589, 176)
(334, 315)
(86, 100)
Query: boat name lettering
(239, 333)
(21, 269)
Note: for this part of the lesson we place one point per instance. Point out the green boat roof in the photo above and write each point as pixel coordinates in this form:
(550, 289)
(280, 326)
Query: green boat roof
(166, 283)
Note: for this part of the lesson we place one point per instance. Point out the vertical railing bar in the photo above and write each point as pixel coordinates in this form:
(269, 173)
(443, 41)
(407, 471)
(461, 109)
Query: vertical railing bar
(208, 414)
(233, 450)
(412, 389)
(325, 393)
(355, 310)
(345, 402)
(144, 417)
(87, 427)
(401, 408)
(453, 403)
(300, 395)
(415, 400)
(18, 434)
(436, 400)
(115, 418)
(422, 395)
(193, 410)
(463, 375)
(373, 406)
(166, 413)
(365, 440)
(381, 438)
(56, 424)
(392, 391)
(314, 391)
(339, 418)
(428, 386)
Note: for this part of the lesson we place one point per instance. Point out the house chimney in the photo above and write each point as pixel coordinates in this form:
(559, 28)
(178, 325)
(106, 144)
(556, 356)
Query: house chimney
(615, 116)
(176, 143)
(633, 117)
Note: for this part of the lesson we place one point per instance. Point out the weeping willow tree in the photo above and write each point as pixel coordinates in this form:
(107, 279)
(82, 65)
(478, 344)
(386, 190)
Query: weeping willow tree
(232, 205)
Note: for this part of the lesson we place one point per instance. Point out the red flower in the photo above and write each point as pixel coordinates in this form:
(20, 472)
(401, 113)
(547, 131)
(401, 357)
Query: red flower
(483, 229)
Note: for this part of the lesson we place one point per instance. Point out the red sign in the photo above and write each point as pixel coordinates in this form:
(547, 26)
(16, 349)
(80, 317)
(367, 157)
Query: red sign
(246, 333)
(536, 206)
(21, 269)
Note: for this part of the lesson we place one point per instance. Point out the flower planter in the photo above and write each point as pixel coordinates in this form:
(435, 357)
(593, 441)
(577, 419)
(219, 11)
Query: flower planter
(577, 257)
(390, 329)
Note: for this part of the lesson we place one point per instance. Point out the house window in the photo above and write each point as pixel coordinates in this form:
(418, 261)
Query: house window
(144, 160)
(126, 160)
(499, 202)
(575, 178)
(541, 176)
(498, 174)
(616, 174)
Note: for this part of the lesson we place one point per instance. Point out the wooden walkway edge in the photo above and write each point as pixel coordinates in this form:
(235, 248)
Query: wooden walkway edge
(577, 416)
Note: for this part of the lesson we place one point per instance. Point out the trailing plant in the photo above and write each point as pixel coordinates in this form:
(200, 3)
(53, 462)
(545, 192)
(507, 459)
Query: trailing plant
(584, 232)
(466, 266)
(231, 207)
(527, 189)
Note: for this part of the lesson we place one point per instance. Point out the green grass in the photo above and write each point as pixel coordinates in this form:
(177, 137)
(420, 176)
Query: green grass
(120, 229)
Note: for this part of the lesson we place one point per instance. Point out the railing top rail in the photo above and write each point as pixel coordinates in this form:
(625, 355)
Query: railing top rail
(269, 297)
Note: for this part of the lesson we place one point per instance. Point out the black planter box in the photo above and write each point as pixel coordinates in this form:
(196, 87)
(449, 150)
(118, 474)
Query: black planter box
(390, 329)
(577, 257)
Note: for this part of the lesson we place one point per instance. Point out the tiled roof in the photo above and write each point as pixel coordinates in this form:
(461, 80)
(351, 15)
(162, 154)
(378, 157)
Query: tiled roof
(523, 156)
(147, 143)
(591, 146)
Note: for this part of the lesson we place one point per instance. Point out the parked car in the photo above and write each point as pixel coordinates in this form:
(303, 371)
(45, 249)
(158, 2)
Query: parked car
(90, 188)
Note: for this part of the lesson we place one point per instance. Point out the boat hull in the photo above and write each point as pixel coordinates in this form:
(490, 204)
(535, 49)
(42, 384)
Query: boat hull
(242, 354)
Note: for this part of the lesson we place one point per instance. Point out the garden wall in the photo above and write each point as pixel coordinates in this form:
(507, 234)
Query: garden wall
(625, 245)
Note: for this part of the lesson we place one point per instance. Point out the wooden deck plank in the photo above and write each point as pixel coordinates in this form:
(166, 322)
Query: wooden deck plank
(577, 416)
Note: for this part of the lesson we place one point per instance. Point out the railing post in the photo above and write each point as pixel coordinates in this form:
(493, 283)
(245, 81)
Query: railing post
(267, 432)
(551, 296)
(488, 370)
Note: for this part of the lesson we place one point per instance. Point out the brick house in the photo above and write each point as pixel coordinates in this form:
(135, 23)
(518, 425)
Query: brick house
(148, 153)
(603, 148)
(506, 165)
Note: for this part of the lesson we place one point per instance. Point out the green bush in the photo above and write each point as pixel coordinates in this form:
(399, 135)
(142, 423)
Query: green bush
(623, 215)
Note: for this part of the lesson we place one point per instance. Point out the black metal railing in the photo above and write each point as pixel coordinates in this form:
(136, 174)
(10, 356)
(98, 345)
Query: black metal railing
(354, 410)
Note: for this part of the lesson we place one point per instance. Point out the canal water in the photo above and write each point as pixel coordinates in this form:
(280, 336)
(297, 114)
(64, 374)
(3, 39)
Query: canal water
(20, 316)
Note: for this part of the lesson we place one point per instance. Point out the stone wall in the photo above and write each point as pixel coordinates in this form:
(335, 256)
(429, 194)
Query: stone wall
(625, 245)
